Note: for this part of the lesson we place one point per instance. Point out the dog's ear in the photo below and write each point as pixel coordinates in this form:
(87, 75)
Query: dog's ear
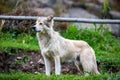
(37, 18)
(49, 18)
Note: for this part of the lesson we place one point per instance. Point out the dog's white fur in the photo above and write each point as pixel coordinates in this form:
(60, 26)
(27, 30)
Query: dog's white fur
(55, 47)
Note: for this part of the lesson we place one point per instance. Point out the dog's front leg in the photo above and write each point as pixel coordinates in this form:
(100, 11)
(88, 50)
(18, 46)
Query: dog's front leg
(57, 65)
(47, 66)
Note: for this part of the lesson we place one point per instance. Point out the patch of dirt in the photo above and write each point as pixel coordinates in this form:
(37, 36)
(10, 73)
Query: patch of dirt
(23, 61)
(31, 62)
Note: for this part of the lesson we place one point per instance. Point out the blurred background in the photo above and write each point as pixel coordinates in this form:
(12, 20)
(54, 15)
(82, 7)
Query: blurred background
(19, 50)
(65, 8)
(96, 9)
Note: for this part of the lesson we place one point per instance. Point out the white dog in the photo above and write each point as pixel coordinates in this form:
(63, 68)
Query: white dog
(56, 48)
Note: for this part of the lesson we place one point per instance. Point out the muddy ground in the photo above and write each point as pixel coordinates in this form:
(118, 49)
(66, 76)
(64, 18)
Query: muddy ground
(32, 62)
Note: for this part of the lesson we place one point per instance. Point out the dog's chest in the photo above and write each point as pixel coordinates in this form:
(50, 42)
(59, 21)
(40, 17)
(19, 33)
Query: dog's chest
(49, 47)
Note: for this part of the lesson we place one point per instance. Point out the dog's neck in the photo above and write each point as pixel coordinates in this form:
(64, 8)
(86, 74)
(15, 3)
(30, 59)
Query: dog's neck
(46, 37)
(47, 34)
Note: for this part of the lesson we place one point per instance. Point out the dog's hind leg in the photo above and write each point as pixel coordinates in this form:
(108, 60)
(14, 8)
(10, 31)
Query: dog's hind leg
(95, 70)
(88, 61)
(78, 65)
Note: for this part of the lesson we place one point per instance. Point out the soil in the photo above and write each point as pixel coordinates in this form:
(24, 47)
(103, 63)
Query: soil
(32, 62)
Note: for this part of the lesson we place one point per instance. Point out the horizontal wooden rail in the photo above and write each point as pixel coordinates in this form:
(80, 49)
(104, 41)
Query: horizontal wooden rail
(63, 19)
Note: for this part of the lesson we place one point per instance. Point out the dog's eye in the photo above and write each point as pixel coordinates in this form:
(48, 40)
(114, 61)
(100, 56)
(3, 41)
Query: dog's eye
(40, 23)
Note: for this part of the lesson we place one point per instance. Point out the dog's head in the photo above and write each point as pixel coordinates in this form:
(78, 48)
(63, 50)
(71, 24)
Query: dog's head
(43, 24)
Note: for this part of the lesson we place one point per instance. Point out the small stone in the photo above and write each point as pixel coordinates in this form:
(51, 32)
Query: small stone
(33, 65)
(36, 72)
(31, 62)
(115, 14)
(40, 61)
(19, 58)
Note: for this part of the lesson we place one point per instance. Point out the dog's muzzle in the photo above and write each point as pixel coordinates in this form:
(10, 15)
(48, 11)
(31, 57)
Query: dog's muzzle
(34, 28)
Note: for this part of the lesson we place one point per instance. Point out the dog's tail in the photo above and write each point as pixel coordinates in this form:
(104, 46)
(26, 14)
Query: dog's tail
(95, 70)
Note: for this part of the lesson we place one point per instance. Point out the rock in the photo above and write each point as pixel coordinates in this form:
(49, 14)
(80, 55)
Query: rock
(112, 1)
(115, 4)
(19, 58)
(34, 8)
(36, 72)
(34, 12)
(43, 11)
(101, 1)
(81, 13)
(115, 14)
(41, 62)
(43, 1)
(31, 62)
(94, 8)
(32, 65)
(33, 3)
(115, 29)
(26, 67)
(68, 2)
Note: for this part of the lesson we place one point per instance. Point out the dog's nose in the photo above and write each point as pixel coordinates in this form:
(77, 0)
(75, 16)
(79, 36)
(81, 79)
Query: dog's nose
(33, 27)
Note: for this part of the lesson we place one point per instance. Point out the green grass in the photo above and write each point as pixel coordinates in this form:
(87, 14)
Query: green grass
(22, 41)
(25, 76)
(106, 46)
